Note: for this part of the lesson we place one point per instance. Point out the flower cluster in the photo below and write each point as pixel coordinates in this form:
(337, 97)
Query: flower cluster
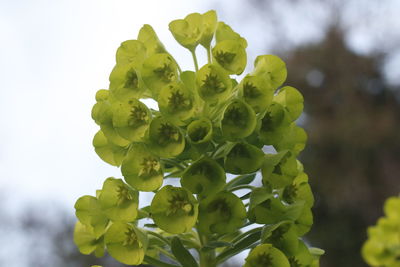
(383, 245)
(209, 131)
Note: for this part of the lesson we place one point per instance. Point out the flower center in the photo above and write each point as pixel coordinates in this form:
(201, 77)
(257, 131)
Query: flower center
(150, 166)
(130, 237)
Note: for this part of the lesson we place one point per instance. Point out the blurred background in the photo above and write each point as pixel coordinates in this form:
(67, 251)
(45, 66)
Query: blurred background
(343, 55)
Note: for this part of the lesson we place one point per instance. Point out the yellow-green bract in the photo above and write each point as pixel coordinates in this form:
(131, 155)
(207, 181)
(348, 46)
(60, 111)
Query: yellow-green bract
(207, 133)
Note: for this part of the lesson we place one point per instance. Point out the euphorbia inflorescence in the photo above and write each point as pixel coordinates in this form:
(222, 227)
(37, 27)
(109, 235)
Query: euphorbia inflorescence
(210, 131)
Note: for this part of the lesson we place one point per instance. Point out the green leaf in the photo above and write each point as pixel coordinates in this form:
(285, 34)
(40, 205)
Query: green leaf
(157, 262)
(118, 200)
(290, 98)
(216, 244)
(126, 243)
(244, 158)
(266, 255)
(107, 151)
(240, 180)
(174, 209)
(271, 67)
(239, 120)
(221, 213)
(230, 55)
(182, 254)
(204, 177)
(89, 213)
(142, 169)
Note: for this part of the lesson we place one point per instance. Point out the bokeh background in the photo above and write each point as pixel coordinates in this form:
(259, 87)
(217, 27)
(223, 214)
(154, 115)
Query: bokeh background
(343, 55)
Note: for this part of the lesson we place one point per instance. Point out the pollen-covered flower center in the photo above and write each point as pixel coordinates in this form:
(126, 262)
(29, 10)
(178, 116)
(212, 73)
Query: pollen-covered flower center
(177, 101)
(179, 203)
(168, 133)
(131, 79)
(150, 166)
(138, 115)
(224, 58)
(250, 91)
(165, 73)
(130, 237)
(264, 260)
(220, 206)
(213, 84)
(123, 194)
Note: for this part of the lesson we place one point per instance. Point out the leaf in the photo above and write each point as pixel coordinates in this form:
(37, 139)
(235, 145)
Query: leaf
(216, 244)
(182, 254)
(240, 180)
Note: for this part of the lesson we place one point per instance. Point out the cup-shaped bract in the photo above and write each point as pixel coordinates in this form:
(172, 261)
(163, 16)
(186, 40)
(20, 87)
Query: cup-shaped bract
(118, 200)
(282, 236)
(89, 212)
(221, 213)
(214, 84)
(131, 118)
(174, 209)
(225, 32)
(126, 243)
(279, 170)
(204, 177)
(166, 139)
(230, 55)
(244, 158)
(126, 82)
(158, 71)
(101, 111)
(266, 255)
(303, 256)
(294, 139)
(256, 91)
(86, 241)
(131, 51)
(200, 131)
(142, 169)
(298, 190)
(188, 31)
(107, 151)
(271, 67)
(291, 99)
(176, 102)
(149, 38)
(273, 124)
(239, 120)
(209, 27)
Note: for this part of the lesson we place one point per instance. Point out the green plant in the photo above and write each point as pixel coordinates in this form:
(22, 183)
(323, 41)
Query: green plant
(383, 245)
(209, 131)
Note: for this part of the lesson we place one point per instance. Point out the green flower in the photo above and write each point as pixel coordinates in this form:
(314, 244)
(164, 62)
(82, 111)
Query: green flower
(86, 240)
(131, 119)
(142, 169)
(281, 235)
(101, 111)
(126, 82)
(225, 32)
(200, 131)
(221, 213)
(271, 67)
(244, 158)
(131, 51)
(239, 120)
(158, 71)
(126, 243)
(209, 27)
(166, 139)
(89, 212)
(294, 139)
(279, 170)
(230, 55)
(174, 209)
(213, 83)
(176, 102)
(273, 124)
(298, 190)
(107, 151)
(188, 31)
(204, 177)
(256, 91)
(118, 200)
(292, 100)
(149, 38)
(265, 255)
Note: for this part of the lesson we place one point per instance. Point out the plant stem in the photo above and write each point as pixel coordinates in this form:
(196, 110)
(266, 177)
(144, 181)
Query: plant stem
(196, 65)
(209, 54)
(207, 258)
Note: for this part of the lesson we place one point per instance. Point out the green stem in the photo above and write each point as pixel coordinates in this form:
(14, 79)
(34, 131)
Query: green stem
(209, 54)
(207, 258)
(196, 65)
